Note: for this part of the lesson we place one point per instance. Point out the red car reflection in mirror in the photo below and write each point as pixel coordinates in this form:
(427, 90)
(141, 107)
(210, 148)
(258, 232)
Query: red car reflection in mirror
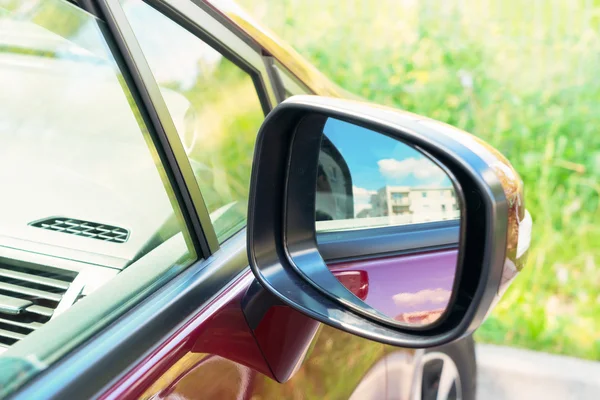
(414, 288)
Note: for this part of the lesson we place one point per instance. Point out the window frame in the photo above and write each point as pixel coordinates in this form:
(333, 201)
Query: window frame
(284, 81)
(195, 18)
(199, 20)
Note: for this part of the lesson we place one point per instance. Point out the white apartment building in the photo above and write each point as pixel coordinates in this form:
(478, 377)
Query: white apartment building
(400, 205)
(406, 204)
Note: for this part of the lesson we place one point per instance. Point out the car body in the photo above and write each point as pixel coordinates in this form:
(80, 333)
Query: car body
(174, 325)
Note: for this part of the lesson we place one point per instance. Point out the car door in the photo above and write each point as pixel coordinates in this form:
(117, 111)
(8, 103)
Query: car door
(210, 150)
(136, 273)
(337, 362)
(123, 258)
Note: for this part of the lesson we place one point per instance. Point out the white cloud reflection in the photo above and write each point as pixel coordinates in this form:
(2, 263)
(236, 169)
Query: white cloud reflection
(421, 168)
(437, 296)
(362, 198)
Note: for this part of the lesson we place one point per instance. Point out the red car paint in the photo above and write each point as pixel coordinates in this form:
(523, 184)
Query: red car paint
(220, 335)
(221, 318)
(356, 281)
(284, 335)
(276, 348)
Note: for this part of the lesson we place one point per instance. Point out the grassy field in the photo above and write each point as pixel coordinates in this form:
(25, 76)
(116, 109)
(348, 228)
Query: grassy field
(523, 77)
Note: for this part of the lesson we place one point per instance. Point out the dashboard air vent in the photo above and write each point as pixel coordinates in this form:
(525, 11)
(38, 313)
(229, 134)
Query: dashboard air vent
(29, 296)
(92, 230)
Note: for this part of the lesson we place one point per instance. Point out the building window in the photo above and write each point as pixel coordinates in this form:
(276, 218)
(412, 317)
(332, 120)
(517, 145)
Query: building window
(399, 210)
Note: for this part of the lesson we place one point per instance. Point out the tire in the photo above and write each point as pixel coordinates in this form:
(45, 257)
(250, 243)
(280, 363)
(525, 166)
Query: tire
(457, 358)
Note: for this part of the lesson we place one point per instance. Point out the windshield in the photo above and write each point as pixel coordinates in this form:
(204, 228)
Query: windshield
(76, 163)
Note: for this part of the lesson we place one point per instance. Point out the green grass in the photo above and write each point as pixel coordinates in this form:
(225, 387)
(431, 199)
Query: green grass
(535, 95)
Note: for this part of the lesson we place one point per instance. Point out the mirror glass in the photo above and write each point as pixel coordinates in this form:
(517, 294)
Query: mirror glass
(405, 216)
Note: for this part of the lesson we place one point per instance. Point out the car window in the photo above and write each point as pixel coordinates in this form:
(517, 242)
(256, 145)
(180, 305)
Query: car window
(215, 106)
(366, 180)
(84, 195)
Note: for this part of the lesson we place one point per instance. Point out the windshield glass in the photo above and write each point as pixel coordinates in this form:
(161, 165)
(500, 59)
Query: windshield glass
(75, 160)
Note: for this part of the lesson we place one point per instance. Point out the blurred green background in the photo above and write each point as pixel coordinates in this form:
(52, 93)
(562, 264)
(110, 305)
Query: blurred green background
(523, 75)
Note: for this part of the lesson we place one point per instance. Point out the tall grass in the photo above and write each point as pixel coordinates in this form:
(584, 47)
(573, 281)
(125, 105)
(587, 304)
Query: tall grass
(522, 75)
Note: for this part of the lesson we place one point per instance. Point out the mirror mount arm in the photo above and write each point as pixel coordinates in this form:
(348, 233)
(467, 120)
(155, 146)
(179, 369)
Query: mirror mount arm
(272, 323)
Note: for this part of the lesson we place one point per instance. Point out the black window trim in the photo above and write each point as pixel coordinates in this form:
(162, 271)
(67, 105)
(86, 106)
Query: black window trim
(211, 27)
(289, 82)
(112, 12)
(256, 71)
(275, 78)
(161, 122)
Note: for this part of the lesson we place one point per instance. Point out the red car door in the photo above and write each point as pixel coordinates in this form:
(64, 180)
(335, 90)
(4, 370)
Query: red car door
(284, 337)
(161, 324)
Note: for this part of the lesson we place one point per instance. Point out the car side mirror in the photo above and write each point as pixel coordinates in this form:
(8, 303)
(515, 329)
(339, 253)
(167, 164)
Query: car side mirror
(310, 155)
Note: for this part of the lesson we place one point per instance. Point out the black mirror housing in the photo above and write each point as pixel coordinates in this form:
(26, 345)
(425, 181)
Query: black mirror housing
(282, 245)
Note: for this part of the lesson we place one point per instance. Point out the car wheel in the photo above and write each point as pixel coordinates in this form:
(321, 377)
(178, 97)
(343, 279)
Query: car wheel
(447, 372)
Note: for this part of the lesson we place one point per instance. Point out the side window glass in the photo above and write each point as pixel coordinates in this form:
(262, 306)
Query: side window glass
(84, 195)
(215, 107)
(366, 180)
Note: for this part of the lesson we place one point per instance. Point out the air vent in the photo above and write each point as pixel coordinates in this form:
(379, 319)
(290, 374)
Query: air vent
(92, 230)
(28, 297)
